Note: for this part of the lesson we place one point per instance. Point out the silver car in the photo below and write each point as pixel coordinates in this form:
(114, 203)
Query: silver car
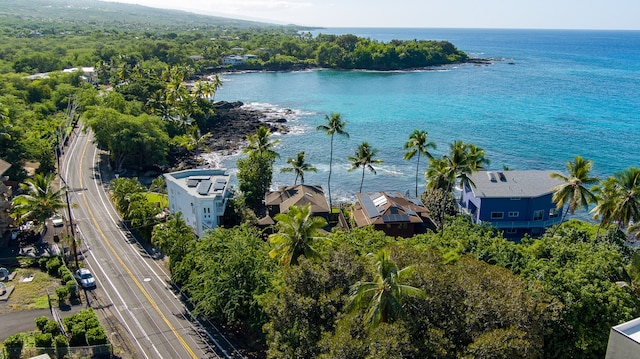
(85, 278)
(57, 220)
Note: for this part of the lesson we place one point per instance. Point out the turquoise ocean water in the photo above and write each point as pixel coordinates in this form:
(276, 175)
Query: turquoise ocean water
(548, 95)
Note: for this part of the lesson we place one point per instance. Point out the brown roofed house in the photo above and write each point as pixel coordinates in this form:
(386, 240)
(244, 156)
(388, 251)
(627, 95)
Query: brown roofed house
(391, 213)
(300, 195)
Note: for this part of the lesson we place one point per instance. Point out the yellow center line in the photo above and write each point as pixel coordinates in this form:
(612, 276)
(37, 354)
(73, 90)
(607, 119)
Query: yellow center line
(135, 280)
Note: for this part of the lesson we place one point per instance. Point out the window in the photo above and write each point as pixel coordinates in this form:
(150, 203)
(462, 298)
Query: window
(515, 198)
(497, 215)
(536, 231)
(538, 215)
(511, 231)
(514, 214)
(553, 213)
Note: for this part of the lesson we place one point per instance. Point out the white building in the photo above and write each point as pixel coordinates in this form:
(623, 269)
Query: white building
(624, 341)
(201, 195)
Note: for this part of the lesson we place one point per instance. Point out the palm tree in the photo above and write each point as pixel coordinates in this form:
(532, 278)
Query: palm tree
(261, 145)
(462, 160)
(299, 167)
(40, 201)
(159, 184)
(334, 125)
(297, 230)
(574, 191)
(619, 199)
(364, 158)
(384, 295)
(418, 145)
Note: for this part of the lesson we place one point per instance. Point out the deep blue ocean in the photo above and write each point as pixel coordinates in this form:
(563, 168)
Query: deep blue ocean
(547, 96)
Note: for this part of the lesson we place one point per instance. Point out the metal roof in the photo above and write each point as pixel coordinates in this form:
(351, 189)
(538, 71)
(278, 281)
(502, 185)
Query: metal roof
(512, 184)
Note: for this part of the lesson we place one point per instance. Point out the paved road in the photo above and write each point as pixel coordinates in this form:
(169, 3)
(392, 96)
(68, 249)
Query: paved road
(133, 298)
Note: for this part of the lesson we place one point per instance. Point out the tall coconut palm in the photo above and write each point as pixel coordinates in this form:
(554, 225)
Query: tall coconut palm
(457, 166)
(619, 198)
(298, 166)
(261, 144)
(297, 231)
(334, 125)
(418, 145)
(574, 191)
(40, 201)
(364, 157)
(383, 296)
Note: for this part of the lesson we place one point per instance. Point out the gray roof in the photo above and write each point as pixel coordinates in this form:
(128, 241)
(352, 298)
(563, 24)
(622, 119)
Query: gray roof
(4, 166)
(507, 184)
(201, 182)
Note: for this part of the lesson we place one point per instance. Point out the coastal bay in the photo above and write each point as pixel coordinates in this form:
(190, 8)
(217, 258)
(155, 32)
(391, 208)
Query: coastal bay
(550, 95)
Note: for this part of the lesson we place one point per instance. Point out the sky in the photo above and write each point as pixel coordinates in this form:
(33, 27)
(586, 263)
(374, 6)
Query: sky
(519, 14)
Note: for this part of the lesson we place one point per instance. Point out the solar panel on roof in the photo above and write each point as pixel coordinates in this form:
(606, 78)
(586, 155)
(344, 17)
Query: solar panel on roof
(200, 178)
(415, 201)
(369, 207)
(395, 218)
(410, 212)
(192, 182)
(203, 187)
(380, 201)
(220, 184)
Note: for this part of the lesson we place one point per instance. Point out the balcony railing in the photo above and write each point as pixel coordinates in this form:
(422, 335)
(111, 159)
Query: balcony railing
(525, 224)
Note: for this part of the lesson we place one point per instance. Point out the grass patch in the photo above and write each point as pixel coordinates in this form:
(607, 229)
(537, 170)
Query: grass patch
(31, 295)
(162, 199)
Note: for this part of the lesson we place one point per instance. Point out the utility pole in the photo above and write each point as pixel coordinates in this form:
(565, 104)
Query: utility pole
(71, 228)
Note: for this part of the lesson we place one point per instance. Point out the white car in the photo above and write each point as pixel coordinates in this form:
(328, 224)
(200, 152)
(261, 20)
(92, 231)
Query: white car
(85, 278)
(57, 220)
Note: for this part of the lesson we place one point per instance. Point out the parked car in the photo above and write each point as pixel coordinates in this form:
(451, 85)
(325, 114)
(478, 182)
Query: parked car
(85, 278)
(57, 220)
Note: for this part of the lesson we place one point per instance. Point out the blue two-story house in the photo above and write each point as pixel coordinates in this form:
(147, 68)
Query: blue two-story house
(516, 202)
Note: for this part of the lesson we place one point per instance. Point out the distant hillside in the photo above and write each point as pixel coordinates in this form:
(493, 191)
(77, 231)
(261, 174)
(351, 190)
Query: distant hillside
(108, 14)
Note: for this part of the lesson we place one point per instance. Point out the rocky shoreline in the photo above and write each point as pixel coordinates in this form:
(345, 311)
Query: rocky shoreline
(229, 128)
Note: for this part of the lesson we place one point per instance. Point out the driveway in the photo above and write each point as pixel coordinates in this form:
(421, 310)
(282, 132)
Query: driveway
(23, 321)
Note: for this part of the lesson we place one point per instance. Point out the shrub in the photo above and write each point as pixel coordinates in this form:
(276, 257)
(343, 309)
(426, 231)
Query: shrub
(43, 340)
(41, 322)
(60, 341)
(42, 263)
(14, 341)
(73, 290)
(53, 266)
(13, 345)
(65, 274)
(51, 327)
(26, 262)
(78, 335)
(62, 293)
(96, 336)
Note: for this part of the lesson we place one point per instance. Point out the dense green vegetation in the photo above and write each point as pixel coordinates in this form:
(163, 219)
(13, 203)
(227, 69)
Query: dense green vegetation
(474, 293)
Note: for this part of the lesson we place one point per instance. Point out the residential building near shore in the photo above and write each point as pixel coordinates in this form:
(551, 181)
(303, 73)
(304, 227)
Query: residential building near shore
(301, 195)
(392, 213)
(516, 202)
(201, 195)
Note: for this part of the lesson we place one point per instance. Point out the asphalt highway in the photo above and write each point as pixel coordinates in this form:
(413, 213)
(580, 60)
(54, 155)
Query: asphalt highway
(134, 297)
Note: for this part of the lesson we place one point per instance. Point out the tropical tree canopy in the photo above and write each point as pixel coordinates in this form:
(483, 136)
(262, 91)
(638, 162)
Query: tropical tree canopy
(334, 125)
(383, 296)
(40, 201)
(575, 191)
(418, 145)
(619, 199)
(297, 229)
(298, 166)
(364, 157)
